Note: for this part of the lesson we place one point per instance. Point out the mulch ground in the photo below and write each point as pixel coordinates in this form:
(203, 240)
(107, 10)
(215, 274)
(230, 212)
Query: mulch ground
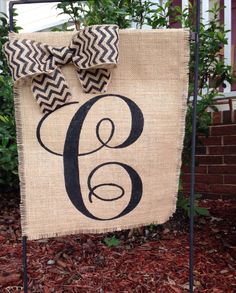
(153, 259)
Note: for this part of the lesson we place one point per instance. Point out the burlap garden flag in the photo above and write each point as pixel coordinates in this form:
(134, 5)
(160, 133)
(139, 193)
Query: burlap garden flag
(100, 125)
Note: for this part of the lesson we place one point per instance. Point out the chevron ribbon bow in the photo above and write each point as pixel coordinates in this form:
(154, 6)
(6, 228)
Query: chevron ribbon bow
(93, 51)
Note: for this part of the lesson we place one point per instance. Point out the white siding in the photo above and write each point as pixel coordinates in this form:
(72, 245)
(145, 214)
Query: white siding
(3, 6)
(37, 17)
(205, 11)
(184, 4)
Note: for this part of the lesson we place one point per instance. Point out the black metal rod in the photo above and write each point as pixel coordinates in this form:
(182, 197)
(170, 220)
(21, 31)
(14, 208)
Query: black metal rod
(24, 263)
(12, 3)
(193, 150)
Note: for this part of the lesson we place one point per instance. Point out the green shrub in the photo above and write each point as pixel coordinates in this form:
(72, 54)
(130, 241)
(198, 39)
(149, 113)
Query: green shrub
(8, 149)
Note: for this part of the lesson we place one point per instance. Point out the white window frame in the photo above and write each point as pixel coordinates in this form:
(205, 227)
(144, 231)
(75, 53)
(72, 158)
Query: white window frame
(205, 6)
(227, 47)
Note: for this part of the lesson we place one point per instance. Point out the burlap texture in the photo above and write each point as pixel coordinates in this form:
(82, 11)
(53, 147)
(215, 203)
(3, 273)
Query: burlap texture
(152, 72)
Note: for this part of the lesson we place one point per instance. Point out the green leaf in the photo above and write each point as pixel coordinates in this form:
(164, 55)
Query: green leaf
(4, 118)
(112, 241)
(202, 211)
(221, 36)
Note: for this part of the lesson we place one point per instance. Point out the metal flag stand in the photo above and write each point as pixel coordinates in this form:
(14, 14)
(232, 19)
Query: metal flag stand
(193, 146)
(193, 149)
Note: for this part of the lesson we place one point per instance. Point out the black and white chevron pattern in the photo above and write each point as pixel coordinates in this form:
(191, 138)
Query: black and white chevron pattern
(62, 56)
(93, 50)
(94, 80)
(26, 57)
(50, 91)
(95, 45)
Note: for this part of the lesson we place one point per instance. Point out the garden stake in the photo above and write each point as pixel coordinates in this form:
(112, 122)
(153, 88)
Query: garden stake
(24, 262)
(193, 150)
(193, 146)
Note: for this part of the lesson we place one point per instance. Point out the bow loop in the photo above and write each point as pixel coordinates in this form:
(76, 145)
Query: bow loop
(95, 47)
(93, 50)
(28, 58)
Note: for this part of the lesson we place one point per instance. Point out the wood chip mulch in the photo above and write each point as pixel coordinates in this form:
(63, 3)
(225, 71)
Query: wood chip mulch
(152, 259)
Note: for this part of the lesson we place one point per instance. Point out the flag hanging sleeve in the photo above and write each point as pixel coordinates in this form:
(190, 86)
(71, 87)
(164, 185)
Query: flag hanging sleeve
(100, 120)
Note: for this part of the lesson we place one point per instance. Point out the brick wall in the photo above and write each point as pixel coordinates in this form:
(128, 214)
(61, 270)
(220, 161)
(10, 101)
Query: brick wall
(216, 169)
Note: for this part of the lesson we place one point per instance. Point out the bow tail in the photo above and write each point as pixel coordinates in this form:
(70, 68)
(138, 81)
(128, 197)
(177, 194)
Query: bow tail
(94, 80)
(50, 90)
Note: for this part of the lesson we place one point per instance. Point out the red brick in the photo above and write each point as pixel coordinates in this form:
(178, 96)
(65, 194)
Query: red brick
(201, 187)
(229, 140)
(222, 169)
(186, 186)
(209, 179)
(206, 179)
(211, 140)
(223, 189)
(230, 179)
(198, 169)
(201, 169)
(230, 160)
(216, 118)
(209, 160)
(226, 117)
(200, 150)
(222, 150)
(223, 130)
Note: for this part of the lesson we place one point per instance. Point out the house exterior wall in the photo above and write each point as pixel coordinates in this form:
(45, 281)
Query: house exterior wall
(216, 157)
